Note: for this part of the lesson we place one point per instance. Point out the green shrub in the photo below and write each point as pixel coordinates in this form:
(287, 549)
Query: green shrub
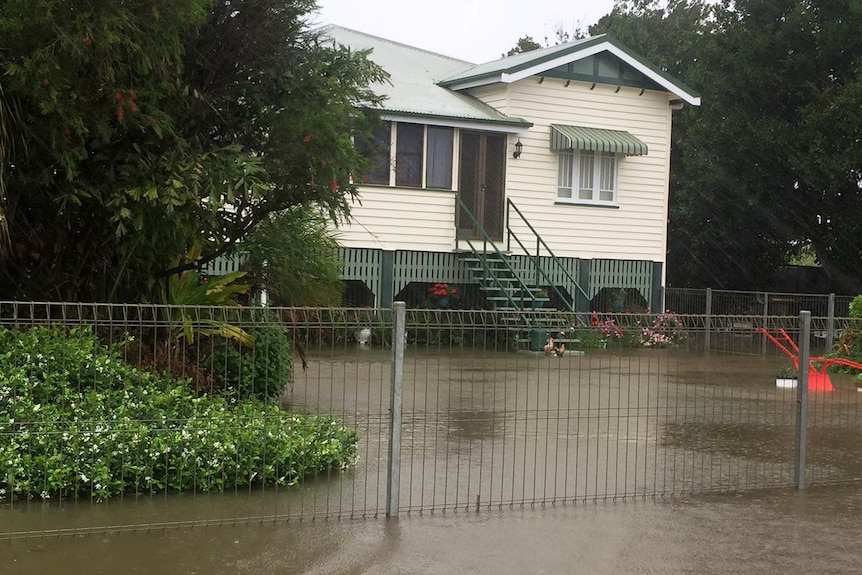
(76, 420)
(260, 371)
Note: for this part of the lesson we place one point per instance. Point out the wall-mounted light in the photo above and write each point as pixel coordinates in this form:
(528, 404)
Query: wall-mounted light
(518, 148)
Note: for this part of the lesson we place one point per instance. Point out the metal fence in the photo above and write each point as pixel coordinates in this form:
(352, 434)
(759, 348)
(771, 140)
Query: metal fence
(751, 303)
(461, 418)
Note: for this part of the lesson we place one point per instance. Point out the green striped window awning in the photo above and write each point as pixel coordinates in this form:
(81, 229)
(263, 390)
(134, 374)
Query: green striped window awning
(597, 139)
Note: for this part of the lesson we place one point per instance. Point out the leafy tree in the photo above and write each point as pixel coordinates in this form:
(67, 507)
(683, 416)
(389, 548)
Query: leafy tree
(296, 258)
(134, 130)
(525, 44)
(766, 167)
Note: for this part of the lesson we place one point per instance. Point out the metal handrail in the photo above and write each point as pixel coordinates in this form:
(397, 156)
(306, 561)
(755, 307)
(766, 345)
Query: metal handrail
(487, 269)
(541, 271)
(540, 242)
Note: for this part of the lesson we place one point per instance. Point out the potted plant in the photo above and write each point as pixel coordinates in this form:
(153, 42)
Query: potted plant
(441, 293)
(787, 376)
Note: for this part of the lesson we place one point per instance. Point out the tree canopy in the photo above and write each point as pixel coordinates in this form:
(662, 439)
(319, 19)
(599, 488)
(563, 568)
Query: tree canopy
(131, 131)
(770, 164)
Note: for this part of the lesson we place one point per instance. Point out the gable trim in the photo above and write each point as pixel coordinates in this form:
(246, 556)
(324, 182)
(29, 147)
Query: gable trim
(579, 52)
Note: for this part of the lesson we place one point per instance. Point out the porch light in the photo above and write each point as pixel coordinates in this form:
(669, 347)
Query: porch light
(518, 147)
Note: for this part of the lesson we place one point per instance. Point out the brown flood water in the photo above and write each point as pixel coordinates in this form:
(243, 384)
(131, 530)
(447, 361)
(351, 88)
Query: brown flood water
(526, 437)
(767, 533)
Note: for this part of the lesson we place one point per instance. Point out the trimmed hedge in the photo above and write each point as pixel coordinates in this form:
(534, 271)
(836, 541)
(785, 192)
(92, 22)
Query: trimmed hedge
(76, 420)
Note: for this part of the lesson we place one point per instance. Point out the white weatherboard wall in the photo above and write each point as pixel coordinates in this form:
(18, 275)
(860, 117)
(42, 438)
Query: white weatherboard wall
(400, 219)
(637, 228)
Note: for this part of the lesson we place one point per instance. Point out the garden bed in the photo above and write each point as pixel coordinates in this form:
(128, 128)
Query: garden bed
(76, 420)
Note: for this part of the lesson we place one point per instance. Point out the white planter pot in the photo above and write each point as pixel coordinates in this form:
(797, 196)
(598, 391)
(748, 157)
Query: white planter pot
(785, 382)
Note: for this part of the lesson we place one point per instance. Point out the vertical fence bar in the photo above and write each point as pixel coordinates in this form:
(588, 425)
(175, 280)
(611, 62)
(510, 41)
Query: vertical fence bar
(763, 340)
(393, 472)
(830, 322)
(707, 322)
(802, 396)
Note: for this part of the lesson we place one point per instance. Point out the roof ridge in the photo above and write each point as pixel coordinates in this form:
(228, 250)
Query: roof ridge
(543, 48)
(396, 43)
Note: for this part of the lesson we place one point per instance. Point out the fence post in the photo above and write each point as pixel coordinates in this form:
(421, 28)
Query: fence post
(393, 471)
(708, 320)
(763, 340)
(802, 396)
(830, 322)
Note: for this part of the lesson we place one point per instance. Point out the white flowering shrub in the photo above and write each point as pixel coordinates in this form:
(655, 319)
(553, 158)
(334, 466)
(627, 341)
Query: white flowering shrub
(76, 420)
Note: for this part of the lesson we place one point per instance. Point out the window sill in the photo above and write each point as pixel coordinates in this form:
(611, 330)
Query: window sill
(583, 204)
(398, 188)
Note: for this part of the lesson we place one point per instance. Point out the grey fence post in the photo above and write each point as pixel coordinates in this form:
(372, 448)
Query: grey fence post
(708, 320)
(763, 340)
(802, 396)
(393, 471)
(830, 322)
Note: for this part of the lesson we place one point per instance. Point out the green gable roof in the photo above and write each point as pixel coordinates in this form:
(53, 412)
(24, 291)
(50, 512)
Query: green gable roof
(537, 62)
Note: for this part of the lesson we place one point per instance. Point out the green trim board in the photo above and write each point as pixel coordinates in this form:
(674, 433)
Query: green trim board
(596, 139)
(539, 61)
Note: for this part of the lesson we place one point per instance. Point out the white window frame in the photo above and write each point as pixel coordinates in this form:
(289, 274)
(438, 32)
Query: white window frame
(569, 174)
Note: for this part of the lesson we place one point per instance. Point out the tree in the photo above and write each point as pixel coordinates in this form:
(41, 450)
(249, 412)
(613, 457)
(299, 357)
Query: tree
(294, 256)
(525, 44)
(134, 130)
(759, 171)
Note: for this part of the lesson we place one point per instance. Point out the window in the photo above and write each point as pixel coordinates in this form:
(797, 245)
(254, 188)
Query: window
(424, 155)
(594, 173)
(439, 155)
(377, 150)
(408, 155)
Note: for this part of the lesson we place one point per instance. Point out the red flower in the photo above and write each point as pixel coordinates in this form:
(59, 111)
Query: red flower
(133, 106)
(45, 81)
(170, 63)
(307, 138)
(88, 40)
(118, 96)
(120, 114)
(333, 186)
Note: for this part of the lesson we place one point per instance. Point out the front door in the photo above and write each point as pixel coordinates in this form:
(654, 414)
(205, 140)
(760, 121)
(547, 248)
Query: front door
(481, 182)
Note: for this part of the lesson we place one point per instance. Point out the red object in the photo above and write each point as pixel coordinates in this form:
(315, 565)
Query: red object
(88, 40)
(306, 139)
(818, 379)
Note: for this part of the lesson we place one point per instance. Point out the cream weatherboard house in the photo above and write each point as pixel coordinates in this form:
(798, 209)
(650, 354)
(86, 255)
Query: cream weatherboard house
(543, 175)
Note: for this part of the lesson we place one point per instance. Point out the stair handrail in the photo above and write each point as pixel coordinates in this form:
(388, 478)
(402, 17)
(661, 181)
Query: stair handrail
(545, 276)
(540, 241)
(487, 269)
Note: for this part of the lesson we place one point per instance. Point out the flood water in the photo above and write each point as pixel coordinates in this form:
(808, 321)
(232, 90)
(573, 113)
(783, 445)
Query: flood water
(777, 532)
(503, 458)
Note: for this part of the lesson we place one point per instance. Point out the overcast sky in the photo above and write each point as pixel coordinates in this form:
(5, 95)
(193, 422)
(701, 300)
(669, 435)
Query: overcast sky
(473, 30)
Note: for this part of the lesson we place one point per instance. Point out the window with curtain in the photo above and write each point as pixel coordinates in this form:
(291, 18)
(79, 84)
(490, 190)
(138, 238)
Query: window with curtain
(438, 170)
(587, 177)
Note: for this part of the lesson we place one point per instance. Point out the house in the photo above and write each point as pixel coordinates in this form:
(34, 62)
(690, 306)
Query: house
(550, 167)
